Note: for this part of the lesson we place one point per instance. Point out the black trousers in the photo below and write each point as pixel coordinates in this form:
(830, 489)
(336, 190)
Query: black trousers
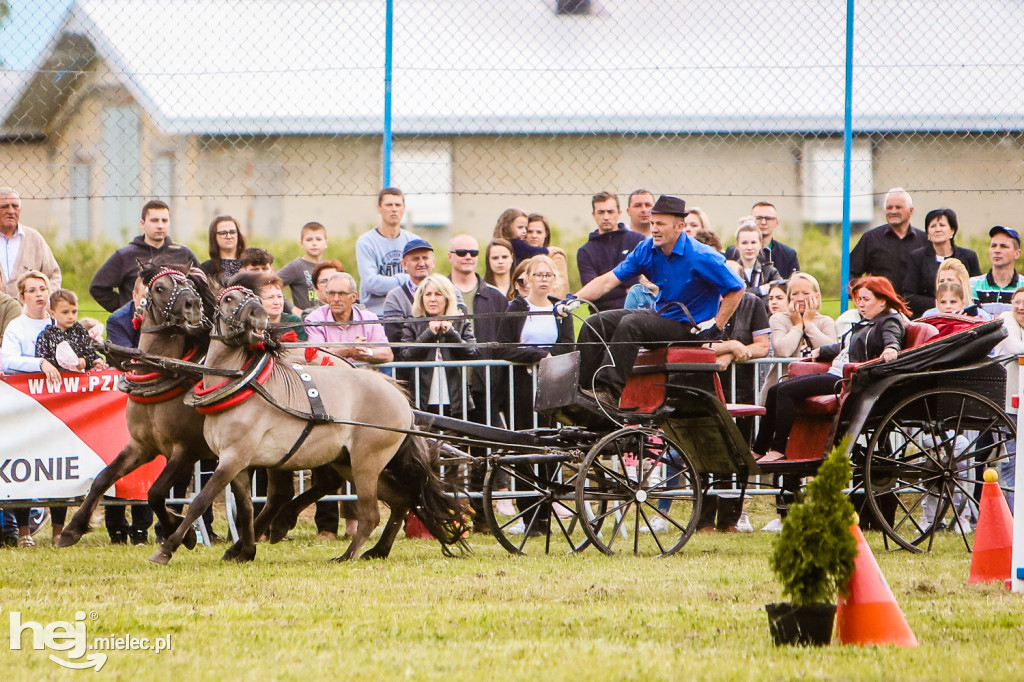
(625, 331)
(780, 408)
(116, 521)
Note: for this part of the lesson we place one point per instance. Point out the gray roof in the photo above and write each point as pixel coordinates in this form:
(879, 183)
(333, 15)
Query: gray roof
(480, 66)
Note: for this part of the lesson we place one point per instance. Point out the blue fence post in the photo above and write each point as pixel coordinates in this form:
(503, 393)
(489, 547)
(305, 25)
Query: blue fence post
(389, 37)
(844, 283)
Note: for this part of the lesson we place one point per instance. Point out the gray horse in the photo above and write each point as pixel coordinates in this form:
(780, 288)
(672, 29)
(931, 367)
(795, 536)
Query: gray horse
(175, 304)
(280, 417)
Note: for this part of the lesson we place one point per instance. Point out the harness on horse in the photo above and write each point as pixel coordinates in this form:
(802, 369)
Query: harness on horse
(156, 387)
(181, 285)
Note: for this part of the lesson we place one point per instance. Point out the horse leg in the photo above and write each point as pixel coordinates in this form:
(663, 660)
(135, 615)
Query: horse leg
(177, 462)
(400, 505)
(327, 482)
(131, 457)
(279, 494)
(245, 548)
(367, 514)
(224, 474)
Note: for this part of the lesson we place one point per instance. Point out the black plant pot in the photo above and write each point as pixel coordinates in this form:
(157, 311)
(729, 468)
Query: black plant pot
(809, 624)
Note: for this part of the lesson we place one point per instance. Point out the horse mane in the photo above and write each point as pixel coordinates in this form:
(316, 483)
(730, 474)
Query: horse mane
(163, 261)
(206, 289)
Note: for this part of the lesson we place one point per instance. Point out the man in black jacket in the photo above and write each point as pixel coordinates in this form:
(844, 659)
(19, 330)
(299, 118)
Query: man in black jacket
(884, 250)
(607, 246)
(783, 258)
(112, 284)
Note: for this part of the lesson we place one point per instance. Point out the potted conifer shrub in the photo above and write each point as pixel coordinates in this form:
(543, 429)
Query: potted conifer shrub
(813, 556)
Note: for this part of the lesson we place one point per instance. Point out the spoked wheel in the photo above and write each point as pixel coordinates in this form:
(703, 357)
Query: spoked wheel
(638, 492)
(530, 504)
(924, 464)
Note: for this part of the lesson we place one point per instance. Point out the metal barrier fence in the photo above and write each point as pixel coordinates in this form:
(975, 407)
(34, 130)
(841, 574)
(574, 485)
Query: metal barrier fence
(281, 111)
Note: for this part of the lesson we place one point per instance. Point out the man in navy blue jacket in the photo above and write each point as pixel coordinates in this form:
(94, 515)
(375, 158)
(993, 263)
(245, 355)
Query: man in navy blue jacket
(607, 246)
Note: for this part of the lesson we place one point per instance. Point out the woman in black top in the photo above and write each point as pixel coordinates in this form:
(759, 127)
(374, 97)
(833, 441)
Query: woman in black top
(923, 264)
(440, 389)
(226, 246)
(530, 338)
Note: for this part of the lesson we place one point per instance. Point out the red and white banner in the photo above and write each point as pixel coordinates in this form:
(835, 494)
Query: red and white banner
(55, 439)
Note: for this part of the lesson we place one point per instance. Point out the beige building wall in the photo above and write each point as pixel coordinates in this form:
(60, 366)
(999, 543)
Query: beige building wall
(275, 184)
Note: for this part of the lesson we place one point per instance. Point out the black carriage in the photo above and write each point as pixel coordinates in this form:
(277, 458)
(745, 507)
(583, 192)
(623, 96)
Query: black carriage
(635, 477)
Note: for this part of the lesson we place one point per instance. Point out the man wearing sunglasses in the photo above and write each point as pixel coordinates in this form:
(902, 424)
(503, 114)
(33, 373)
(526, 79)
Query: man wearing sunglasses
(21, 248)
(481, 299)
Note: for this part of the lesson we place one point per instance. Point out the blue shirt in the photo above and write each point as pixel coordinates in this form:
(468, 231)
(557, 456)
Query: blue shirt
(692, 274)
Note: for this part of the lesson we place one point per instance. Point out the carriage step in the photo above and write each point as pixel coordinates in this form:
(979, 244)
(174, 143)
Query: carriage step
(743, 410)
(803, 467)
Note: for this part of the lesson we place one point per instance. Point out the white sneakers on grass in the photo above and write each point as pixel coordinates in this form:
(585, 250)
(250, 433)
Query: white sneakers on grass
(743, 525)
(773, 526)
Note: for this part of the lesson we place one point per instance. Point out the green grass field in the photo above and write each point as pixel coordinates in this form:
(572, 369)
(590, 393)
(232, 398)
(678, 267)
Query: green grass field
(489, 616)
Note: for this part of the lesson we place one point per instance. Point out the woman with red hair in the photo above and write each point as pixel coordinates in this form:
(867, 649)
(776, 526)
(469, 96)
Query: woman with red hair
(879, 334)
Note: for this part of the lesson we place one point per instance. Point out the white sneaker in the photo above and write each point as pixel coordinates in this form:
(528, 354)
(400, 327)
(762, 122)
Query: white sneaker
(517, 528)
(656, 524)
(743, 525)
(773, 526)
(505, 508)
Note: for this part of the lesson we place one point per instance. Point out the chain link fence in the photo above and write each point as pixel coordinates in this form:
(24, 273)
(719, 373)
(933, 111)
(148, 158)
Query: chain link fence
(277, 111)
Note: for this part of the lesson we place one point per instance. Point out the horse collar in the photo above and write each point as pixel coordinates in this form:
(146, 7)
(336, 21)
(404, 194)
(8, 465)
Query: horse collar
(156, 387)
(231, 392)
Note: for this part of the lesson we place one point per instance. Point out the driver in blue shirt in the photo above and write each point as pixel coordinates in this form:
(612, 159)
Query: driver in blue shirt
(697, 295)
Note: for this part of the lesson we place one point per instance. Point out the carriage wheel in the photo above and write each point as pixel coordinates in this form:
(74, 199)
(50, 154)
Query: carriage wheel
(924, 464)
(638, 492)
(531, 507)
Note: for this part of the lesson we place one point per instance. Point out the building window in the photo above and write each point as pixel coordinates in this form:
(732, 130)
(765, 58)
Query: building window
(823, 181)
(122, 135)
(422, 169)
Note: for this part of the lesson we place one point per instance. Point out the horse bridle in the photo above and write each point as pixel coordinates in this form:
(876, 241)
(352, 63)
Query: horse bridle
(171, 319)
(235, 328)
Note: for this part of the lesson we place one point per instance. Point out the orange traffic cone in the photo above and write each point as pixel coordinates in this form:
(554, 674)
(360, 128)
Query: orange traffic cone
(869, 614)
(993, 538)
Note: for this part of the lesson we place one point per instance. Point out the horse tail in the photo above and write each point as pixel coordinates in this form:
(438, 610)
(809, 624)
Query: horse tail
(417, 463)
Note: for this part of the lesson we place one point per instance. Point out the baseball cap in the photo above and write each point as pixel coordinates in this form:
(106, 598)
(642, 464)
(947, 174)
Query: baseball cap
(416, 245)
(1011, 233)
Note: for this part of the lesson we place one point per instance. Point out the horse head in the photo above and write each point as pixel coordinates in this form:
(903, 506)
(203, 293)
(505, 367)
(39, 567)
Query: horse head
(171, 301)
(241, 319)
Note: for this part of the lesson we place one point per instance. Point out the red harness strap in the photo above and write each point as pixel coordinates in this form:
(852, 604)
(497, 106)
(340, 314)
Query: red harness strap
(235, 398)
(150, 377)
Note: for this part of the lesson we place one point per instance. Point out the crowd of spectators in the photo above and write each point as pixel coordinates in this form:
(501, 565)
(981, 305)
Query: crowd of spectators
(394, 307)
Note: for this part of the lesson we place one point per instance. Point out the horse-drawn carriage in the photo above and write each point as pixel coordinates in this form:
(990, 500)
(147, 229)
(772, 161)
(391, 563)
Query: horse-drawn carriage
(632, 477)
(920, 428)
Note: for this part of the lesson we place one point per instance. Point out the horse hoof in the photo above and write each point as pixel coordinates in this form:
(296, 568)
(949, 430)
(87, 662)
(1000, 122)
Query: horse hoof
(190, 539)
(232, 552)
(161, 556)
(67, 539)
(340, 559)
(373, 555)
